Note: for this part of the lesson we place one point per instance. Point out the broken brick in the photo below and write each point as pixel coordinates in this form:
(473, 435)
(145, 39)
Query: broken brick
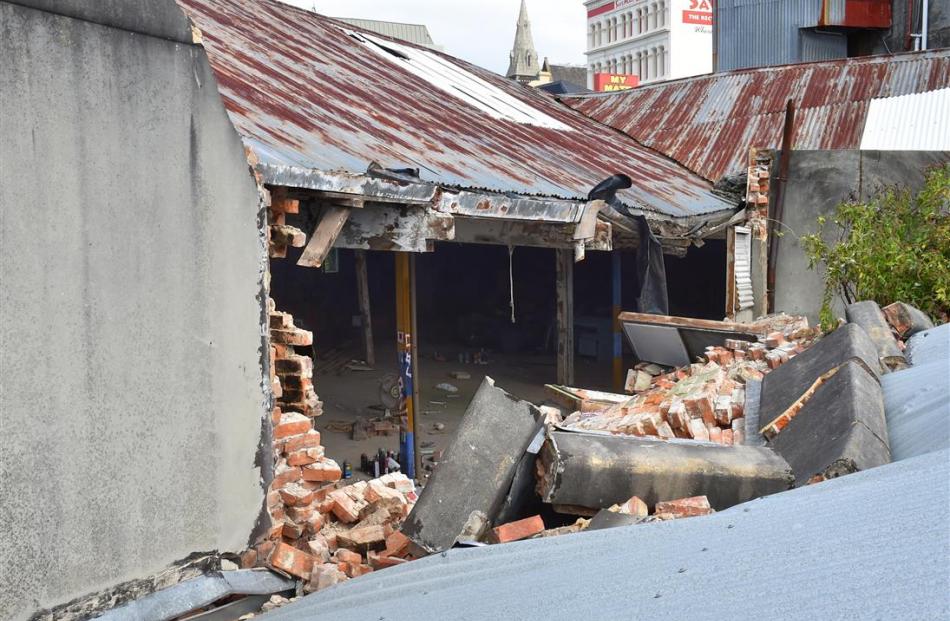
(362, 538)
(685, 507)
(635, 506)
(291, 560)
(521, 529)
(292, 424)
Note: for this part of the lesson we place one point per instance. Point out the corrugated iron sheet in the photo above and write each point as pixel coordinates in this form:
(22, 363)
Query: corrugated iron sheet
(708, 123)
(306, 96)
(918, 122)
(756, 33)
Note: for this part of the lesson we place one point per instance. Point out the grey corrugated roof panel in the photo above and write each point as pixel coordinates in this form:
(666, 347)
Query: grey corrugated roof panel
(929, 345)
(917, 400)
(871, 545)
(412, 33)
(917, 406)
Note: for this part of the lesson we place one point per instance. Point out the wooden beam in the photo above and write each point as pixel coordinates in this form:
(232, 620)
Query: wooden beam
(564, 259)
(753, 328)
(331, 222)
(366, 320)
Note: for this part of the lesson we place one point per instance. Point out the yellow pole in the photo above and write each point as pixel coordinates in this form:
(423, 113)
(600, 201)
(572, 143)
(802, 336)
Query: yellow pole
(404, 348)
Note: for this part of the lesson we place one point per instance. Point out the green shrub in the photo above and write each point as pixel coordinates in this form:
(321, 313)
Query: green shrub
(894, 247)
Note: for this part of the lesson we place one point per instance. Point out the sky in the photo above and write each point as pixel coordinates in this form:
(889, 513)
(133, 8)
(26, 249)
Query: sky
(479, 31)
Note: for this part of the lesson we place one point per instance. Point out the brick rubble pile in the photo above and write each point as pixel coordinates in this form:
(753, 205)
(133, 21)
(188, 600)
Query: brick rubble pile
(704, 401)
(322, 530)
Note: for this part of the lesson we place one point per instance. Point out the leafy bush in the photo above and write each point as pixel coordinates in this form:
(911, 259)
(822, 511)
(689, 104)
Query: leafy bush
(895, 247)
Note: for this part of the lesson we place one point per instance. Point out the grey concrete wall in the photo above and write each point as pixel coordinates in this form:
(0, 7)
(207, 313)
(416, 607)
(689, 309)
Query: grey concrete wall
(131, 266)
(817, 182)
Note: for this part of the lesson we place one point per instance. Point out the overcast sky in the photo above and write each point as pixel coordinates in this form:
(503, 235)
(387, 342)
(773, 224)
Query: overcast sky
(479, 31)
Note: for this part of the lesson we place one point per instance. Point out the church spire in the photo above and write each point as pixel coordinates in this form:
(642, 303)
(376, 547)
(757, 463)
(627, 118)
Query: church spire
(523, 65)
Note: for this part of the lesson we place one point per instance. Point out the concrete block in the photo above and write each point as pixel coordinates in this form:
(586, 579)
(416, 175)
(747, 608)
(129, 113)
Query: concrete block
(784, 386)
(597, 471)
(477, 469)
(839, 430)
(869, 316)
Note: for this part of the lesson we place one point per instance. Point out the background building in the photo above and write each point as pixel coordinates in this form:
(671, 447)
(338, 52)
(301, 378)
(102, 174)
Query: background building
(523, 64)
(652, 39)
(758, 33)
(410, 33)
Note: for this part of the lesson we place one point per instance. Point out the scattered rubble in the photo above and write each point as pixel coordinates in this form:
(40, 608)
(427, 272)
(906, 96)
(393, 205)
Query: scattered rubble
(477, 468)
(703, 401)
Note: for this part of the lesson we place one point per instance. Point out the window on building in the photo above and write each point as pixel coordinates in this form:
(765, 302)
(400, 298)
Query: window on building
(653, 16)
(458, 82)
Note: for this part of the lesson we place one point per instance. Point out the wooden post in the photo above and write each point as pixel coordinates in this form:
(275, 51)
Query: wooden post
(565, 316)
(616, 290)
(405, 343)
(366, 318)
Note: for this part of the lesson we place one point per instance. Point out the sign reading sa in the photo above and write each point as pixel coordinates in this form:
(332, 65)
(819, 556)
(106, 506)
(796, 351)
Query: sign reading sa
(614, 81)
(699, 12)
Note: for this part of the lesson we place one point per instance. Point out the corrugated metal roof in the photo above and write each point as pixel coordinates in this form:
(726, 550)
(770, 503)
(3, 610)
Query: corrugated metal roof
(917, 122)
(708, 123)
(929, 346)
(411, 33)
(871, 545)
(917, 400)
(307, 96)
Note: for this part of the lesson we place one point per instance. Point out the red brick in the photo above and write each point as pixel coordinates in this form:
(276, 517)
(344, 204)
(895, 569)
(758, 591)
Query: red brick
(291, 560)
(305, 456)
(291, 424)
(397, 544)
(284, 474)
(380, 561)
(715, 434)
(301, 514)
(362, 537)
(344, 508)
(295, 365)
(293, 336)
(513, 531)
(343, 555)
(685, 507)
(700, 406)
(326, 470)
(311, 439)
(697, 430)
(295, 495)
(249, 559)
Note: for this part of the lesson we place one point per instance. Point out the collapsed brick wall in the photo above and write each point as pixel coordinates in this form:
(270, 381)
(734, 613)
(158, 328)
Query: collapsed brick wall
(321, 530)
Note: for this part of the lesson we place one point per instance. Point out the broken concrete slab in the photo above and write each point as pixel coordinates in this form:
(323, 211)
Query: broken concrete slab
(784, 388)
(611, 519)
(869, 316)
(840, 430)
(477, 468)
(597, 471)
(522, 498)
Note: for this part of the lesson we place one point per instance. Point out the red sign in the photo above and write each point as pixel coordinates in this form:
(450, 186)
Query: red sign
(699, 12)
(614, 81)
(606, 8)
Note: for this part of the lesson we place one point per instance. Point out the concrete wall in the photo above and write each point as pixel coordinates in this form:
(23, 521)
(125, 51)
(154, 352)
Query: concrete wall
(131, 322)
(817, 182)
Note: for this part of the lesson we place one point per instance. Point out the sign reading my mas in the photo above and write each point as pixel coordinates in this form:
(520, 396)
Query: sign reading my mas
(696, 12)
(614, 81)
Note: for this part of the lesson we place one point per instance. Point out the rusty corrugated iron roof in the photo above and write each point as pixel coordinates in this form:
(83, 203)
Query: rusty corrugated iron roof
(306, 96)
(708, 123)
